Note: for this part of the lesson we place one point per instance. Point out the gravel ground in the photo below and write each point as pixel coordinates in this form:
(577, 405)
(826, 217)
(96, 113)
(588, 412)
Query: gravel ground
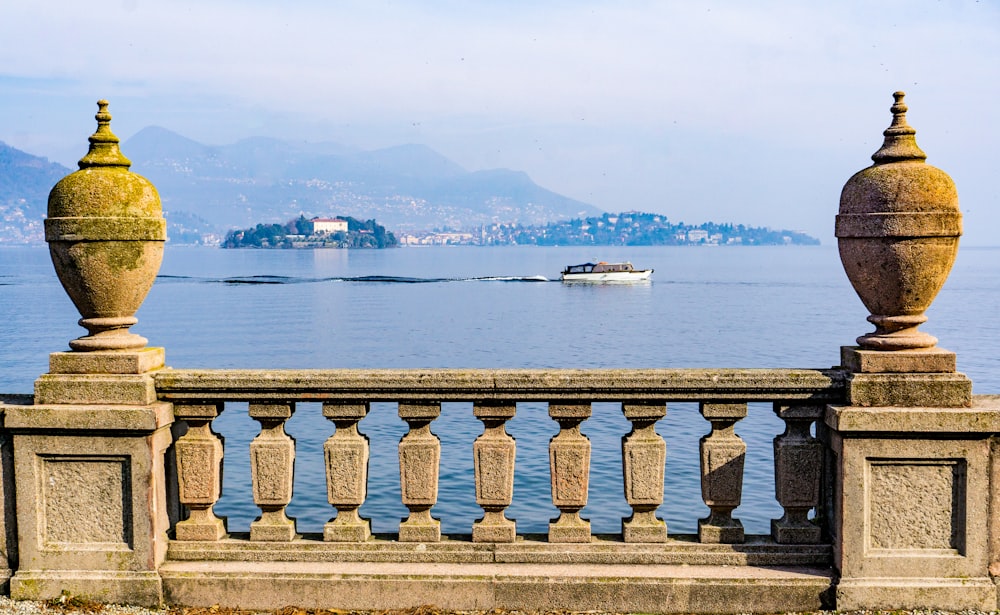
(74, 605)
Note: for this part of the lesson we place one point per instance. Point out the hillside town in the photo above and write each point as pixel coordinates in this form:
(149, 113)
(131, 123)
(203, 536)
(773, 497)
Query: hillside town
(626, 228)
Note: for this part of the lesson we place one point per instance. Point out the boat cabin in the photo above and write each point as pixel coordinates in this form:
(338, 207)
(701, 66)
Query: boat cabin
(601, 267)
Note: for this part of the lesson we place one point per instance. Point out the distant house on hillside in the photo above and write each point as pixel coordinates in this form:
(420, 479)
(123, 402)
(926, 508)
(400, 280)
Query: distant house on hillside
(329, 225)
(697, 235)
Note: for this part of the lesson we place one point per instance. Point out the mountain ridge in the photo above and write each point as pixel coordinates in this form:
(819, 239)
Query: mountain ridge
(25, 182)
(407, 186)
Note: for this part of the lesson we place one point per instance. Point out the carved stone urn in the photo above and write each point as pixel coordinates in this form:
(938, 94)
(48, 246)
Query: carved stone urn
(898, 231)
(105, 231)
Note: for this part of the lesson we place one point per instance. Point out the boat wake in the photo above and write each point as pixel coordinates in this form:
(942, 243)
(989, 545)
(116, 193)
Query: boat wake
(377, 279)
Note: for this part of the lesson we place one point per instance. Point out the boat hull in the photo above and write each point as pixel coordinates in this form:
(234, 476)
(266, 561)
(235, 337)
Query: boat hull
(608, 276)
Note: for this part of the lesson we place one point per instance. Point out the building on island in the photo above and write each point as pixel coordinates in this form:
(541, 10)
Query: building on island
(328, 225)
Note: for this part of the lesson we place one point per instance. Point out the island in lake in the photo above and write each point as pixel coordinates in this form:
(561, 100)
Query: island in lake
(339, 232)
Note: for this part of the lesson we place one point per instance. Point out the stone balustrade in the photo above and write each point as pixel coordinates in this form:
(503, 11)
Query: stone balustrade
(887, 471)
(798, 397)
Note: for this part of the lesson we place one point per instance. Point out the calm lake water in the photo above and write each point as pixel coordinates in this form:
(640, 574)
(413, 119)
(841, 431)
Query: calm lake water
(475, 307)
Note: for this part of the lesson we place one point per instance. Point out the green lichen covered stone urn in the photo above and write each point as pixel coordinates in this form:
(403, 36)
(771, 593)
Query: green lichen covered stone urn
(106, 231)
(898, 231)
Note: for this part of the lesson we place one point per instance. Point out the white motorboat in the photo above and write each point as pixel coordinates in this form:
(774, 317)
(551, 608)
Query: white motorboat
(605, 272)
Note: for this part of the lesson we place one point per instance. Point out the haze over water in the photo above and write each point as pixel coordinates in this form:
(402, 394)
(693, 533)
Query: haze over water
(484, 307)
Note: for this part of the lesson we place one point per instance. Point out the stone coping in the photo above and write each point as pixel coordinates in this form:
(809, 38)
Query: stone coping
(758, 550)
(820, 386)
(983, 417)
(107, 362)
(96, 417)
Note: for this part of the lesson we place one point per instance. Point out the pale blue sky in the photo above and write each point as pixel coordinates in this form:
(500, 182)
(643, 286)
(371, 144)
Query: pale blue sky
(753, 112)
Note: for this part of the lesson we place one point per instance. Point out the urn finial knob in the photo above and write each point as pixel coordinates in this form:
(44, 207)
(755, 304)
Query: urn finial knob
(104, 151)
(900, 143)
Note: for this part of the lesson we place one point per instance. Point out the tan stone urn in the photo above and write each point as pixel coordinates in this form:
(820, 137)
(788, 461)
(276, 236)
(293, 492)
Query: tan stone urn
(898, 231)
(105, 231)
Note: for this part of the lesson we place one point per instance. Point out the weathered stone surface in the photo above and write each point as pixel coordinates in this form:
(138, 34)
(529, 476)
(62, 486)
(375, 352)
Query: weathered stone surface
(569, 472)
(347, 527)
(913, 361)
(105, 231)
(107, 362)
(346, 469)
(419, 463)
(195, 412)
(644, 454)
(272, 460)
(420, 527)
(136, 390)
(84, 501)
(757, 551)
(419, 466)
(8, 540)
(345, 411)
(926, 390)
(892, 594)
(105, 586)
(493, 454)
(502, 385)
(910, 514)
(722, 455)
(525, 587)
(994, 508)
(271, 411)
(723, 412)
(898, 231)
(198, 455)
(88, 417)
(798, 467)
(94, 513)
(271, 466)
(903, 518)
(346, 456)
(494, 467)
(982, 417)
(273, 526)
(494, 527)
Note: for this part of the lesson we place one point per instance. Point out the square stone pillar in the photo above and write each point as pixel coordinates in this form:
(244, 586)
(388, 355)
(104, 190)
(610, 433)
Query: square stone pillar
(8, 527)
(89, 472)
(911, 485)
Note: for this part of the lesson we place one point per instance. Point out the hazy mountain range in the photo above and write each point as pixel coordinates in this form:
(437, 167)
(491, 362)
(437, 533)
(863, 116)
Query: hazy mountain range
(211, 189)
(25, 181)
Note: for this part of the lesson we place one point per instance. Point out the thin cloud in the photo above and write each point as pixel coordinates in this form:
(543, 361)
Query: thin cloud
(589, 97)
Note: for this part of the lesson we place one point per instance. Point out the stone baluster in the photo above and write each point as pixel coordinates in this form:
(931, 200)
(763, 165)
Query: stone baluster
(493, 453)
(346, 455)
(722, 456)
(199, 472)
(798, 465)
(272, 460)
(419, 463)
(644, 454)
(569, 467)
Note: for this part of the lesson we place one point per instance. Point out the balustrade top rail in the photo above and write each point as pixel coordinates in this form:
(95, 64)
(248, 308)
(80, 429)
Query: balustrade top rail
(479, 385)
